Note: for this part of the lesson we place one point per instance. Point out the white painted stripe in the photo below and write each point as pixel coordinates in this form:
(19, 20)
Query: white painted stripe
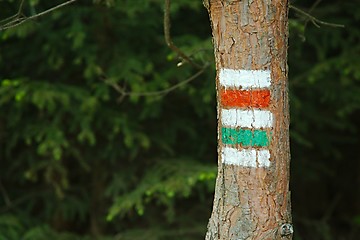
(253, 118)
(245, 157)
(244, 78)
(263, 158)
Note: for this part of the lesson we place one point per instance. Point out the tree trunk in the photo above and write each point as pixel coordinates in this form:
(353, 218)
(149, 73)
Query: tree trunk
(252, 198)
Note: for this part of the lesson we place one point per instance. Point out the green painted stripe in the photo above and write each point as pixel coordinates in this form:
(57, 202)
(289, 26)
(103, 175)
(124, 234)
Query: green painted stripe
(245, 137)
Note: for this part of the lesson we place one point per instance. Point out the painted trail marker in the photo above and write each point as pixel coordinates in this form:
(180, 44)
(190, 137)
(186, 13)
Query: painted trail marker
(246, 157)
(245, 79)
(245, 98)
(245, 137)
(245, 117)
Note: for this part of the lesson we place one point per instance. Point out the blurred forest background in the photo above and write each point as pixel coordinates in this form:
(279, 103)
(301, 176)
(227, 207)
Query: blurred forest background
(105, 135)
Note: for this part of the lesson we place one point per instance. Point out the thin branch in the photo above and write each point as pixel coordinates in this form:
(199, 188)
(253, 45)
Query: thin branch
(171, 45)
(9, 18)
(21, 7)
(310, 11)
(168, 40)
(160, 92)
(18, 21)
(314, 20)
(19, 12)
(314, 5)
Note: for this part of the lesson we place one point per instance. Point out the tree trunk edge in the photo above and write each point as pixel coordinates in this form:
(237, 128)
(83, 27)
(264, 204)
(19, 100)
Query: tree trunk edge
(276, 47)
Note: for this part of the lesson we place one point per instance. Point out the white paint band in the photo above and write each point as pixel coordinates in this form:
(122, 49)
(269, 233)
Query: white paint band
(244, 78)
(245, 157)
(253, 118)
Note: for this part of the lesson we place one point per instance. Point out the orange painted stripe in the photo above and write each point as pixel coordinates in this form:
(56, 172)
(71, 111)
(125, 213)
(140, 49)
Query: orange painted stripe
(245, 98)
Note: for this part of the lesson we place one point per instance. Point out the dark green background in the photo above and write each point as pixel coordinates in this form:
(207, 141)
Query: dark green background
(80, 161)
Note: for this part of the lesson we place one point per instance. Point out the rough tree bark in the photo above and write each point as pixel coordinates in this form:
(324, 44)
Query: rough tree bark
(252, 197)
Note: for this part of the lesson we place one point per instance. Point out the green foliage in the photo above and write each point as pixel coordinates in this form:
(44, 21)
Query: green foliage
(325, 103)
(172, 178)
(84, 154)
(78, 160)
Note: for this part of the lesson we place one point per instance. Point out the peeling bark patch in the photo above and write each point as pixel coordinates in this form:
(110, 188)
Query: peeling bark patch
(246, 157)
(245, 116)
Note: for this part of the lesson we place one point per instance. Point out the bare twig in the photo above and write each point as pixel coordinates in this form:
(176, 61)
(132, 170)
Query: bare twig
(21, 7)
(168, 40)
(17, 15)
(314, 20)
(20, 20)
(309, 12)
(123, 93)
(182, 55)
